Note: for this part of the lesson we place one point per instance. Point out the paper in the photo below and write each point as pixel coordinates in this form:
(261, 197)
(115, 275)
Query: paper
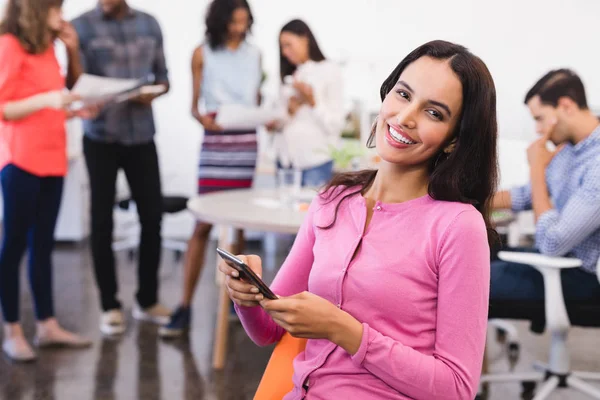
(102, 90)
(237, 117)
(148, 89)
(92, 86)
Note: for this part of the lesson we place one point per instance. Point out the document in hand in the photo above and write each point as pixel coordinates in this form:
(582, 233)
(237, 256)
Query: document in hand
(102, 90)
(237, 117)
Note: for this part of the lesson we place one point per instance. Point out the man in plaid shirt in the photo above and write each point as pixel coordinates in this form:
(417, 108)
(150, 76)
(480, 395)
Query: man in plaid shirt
(118, 41)
(564, 193)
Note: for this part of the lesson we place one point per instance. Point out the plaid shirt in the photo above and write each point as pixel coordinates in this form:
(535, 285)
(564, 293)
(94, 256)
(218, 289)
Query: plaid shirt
(573, 226)
(127, 48)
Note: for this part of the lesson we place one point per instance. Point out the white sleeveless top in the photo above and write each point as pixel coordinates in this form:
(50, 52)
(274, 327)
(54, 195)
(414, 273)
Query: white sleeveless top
(230, 76)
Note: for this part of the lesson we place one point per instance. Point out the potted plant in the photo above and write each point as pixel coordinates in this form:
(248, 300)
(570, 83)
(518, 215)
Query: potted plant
(346, 155)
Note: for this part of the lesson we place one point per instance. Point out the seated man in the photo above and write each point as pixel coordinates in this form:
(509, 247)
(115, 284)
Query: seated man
(564, 193)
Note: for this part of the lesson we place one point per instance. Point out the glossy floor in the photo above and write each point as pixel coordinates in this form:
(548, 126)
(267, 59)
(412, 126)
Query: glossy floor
(141, 366)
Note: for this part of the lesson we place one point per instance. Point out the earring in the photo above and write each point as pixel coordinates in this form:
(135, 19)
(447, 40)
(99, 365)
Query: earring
(450, 148)
(371, 139)
(374, 125)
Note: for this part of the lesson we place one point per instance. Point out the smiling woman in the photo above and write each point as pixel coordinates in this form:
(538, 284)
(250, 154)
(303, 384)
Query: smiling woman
(439, 106)
(389, 275)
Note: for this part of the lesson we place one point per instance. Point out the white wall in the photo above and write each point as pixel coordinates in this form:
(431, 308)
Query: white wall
(519, 41)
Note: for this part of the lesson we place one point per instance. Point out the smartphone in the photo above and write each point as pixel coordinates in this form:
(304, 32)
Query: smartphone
(246, 273)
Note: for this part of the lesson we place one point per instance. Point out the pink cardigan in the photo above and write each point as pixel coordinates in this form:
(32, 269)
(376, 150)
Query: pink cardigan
(419, 284)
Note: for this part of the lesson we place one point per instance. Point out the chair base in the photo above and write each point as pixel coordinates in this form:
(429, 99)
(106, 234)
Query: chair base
(551, 381)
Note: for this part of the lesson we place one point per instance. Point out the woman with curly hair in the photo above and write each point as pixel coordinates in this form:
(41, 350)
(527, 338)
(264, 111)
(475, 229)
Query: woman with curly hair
(226, 69)
(33, 163)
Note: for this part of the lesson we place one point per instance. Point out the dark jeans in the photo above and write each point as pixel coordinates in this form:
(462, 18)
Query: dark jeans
(31, 205)
(517, 290)
(140, 164)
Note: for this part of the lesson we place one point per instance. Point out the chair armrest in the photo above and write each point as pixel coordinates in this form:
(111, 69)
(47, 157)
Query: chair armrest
(557, 318)
(540, 260)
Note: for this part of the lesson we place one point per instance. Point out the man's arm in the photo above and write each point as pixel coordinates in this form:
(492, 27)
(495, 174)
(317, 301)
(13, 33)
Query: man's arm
(558, 233)
(502, 200)
(539, 158)
(161, 74)
(159, 69)
(540, 197)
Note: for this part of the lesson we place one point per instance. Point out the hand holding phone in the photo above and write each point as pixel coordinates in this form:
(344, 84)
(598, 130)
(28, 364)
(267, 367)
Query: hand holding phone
(250, 289)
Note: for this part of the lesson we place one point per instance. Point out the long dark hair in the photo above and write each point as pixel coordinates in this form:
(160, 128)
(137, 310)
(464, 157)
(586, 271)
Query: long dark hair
(469, 173)
(27, 20)
(299, 28)
(218, 18)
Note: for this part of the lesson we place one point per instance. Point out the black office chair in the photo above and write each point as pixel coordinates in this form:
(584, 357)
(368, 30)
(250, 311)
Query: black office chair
(170, 205)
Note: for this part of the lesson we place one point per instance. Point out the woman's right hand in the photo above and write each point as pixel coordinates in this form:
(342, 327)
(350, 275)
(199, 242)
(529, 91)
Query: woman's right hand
(241, 292)
(273, 126)
(294, 103)
(208, 122)
(59, 99)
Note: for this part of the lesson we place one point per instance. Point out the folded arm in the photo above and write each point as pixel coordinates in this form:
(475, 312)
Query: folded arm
(557, 233)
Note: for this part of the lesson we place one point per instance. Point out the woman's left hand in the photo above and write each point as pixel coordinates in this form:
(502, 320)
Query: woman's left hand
(306, 91)
(68, 35)
(306, 315)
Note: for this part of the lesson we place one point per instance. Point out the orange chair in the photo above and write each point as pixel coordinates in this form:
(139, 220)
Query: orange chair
(277, 378)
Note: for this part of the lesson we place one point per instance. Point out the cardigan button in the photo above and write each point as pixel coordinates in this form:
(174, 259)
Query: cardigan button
(378, 208)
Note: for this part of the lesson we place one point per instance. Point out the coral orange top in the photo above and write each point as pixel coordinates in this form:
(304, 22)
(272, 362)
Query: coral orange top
(37, 143)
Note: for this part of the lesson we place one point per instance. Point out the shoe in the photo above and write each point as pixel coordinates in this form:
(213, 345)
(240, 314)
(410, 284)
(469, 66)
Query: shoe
(179, 323)
(75, 342)
(157, 314)
(17, 353)
(112, 322)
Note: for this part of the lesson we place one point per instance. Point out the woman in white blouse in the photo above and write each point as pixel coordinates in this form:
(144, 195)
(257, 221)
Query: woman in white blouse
(312, 93)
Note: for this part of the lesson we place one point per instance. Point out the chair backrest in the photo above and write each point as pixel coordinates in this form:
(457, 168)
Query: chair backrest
(277, 378)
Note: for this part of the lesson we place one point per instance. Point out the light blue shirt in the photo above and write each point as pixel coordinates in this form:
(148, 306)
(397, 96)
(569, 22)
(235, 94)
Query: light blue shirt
(573, 226)
(230, 76)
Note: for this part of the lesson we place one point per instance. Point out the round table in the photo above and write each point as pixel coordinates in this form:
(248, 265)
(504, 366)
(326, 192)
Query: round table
(235, 211)
(256, 209)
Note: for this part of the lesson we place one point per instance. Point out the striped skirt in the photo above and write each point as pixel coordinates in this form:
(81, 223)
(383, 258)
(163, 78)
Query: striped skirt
(227, 160)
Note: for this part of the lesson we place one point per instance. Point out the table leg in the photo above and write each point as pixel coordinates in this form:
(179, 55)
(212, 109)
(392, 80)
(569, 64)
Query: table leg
(484, 390)
(222, 325)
